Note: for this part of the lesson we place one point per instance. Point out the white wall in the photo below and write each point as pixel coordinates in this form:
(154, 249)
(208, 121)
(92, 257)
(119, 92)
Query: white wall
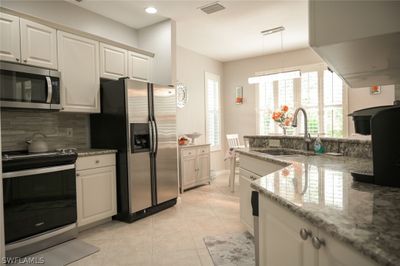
(160, 38)
(360, 98)
(241, 119)
(191, 68)
(69, 15)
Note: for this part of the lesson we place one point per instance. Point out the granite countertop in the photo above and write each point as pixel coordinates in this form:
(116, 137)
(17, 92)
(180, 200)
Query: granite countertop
(91, 152)
(320, 189)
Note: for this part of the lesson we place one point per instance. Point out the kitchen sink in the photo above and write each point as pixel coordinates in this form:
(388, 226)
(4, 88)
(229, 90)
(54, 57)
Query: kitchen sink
(286, 152)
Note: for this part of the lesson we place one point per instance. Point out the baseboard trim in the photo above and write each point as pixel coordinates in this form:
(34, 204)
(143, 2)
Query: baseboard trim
(221, 172)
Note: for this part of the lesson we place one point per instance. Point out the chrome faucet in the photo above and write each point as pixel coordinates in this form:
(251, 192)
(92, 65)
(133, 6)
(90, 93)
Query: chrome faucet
(307, 136)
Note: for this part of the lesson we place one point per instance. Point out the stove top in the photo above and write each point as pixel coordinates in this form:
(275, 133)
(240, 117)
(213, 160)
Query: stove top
(20, 155)
(20, 160)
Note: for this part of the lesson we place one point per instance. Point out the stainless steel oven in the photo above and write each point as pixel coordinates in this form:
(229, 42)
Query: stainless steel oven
(39, 193)
(29, 87)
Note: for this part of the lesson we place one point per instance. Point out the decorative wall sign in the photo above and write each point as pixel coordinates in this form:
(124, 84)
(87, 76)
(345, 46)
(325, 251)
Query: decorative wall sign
(375, 90)
(239, 95)
(181, 95)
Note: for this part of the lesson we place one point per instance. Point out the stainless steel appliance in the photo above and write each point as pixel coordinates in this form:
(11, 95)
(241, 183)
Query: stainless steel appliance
(39, 194)
(24, 86)
(139, 119)
(254, 206)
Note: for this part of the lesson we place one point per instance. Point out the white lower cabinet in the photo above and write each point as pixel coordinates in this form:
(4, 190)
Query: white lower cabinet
(194, 165)
(96, 188)
(287, 240)
(250, 170)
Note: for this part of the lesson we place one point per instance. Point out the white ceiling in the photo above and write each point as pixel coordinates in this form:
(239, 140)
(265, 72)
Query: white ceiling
(230, 34)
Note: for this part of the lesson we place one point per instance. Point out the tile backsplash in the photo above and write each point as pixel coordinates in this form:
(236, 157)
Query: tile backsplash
(61, 129)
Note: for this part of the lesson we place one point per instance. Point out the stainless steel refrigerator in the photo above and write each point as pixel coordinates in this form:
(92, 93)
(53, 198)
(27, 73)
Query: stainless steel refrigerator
(139, 120)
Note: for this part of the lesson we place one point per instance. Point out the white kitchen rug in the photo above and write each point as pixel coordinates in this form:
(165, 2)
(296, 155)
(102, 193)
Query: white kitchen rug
(60, 255)
(232, 249)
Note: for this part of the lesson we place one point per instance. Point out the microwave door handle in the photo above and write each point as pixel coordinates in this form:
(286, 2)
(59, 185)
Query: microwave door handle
(49, 90)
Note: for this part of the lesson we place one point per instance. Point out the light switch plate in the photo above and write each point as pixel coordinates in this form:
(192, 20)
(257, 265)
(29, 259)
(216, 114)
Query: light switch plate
(274, 143)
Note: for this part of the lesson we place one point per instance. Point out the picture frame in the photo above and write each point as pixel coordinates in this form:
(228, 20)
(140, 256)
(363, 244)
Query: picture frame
(239, 95)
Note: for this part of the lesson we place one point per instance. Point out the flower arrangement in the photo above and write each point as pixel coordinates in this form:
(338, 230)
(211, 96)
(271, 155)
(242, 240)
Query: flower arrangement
(283, 118)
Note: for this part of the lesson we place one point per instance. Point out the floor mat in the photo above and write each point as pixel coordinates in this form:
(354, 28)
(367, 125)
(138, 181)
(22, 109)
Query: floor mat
(60, 255)
(232, 249)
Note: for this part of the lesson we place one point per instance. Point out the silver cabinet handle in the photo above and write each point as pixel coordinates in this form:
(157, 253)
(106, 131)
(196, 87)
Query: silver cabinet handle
(17, 59)
(97, 161)
(317, 243)
(25, 60)
(304, 233)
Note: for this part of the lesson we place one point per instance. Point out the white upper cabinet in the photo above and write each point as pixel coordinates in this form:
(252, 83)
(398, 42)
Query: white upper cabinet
(78, 60)
(38, 44)
(9, 38)
(113, 62)
(139, 66)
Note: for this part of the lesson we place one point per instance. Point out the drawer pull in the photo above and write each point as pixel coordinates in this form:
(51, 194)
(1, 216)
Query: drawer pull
(317, 243)
(97, 161)
(77, 174)
(304, 233)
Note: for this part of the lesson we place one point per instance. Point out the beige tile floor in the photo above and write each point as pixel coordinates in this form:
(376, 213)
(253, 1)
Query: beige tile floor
(172, 237)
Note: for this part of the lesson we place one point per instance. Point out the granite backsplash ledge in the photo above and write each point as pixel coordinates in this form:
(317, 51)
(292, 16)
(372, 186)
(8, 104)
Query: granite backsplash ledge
(348, 147)
(19, 125)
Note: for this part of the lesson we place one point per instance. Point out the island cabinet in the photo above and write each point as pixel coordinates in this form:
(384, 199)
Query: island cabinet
(288, 240)
(27, 42)
(250, 170)
(96, 188)
(79, 66)
(194, 165)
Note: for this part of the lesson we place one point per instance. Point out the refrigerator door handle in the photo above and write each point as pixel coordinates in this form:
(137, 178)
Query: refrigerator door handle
(156, 137)
(151, 130)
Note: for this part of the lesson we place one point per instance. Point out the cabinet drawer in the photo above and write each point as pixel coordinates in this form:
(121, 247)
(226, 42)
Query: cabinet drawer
(248, 175)
(95, 161)
(203, 150)
(188, 152)
(259, 167)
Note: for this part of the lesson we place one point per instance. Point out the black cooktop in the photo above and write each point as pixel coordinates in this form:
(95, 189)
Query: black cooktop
(21, 160)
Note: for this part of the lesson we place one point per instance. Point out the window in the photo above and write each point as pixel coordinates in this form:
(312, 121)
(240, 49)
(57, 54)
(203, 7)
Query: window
(213, 124)
(320, 92)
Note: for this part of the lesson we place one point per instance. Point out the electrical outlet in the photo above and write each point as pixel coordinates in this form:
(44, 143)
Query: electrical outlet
(274, 143)
(70, 132)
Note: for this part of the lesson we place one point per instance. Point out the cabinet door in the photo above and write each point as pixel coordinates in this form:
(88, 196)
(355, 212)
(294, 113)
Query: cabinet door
(96, 195)
(113, 62)
(79, 65)
(9, 38)
(335, 253)
(38, 44)
(203, 167)
(139, 66)
(280, 241)
(189, 173)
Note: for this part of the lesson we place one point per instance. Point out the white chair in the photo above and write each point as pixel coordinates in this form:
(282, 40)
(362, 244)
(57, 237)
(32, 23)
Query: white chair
(233, 143)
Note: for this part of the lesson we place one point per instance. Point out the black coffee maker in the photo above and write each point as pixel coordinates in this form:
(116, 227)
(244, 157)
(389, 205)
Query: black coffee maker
(383, 124)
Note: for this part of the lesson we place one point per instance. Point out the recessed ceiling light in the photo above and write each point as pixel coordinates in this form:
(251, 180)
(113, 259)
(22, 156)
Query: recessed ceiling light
(151, 10)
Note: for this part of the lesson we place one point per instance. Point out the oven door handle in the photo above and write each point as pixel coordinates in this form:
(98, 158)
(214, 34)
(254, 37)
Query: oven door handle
(38, 171)
(49, 90)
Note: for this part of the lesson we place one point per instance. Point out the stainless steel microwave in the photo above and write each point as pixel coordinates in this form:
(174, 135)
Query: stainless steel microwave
(29, 87)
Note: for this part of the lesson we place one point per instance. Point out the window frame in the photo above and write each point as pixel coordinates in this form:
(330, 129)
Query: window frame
(211, 76)
(319, 68)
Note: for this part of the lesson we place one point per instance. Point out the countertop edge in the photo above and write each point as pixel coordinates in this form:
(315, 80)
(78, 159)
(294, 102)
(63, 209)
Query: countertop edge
(93, 152)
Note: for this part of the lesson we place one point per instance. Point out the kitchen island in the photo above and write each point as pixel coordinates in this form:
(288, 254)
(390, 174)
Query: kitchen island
(312, 213)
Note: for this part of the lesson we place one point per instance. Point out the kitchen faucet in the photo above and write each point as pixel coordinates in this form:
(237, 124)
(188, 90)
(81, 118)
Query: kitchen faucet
(307, 136)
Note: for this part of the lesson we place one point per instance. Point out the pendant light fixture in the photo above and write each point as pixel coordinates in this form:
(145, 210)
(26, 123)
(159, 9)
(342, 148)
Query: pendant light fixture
(284, 75)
